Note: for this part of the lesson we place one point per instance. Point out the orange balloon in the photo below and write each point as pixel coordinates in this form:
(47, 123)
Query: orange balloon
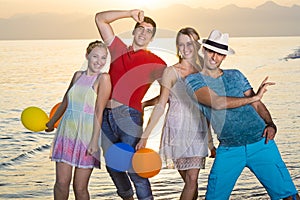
(52, 112)
(146, 163)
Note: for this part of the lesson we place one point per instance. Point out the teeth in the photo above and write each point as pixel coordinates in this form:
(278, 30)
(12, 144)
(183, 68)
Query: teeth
(212, 62)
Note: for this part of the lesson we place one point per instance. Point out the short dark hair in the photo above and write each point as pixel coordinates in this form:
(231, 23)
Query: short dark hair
(149, 21)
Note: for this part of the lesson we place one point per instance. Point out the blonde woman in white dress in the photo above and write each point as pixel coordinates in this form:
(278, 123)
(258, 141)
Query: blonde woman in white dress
(184, 141)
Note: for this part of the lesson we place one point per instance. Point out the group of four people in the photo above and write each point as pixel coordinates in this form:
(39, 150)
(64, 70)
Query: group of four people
(108, 107)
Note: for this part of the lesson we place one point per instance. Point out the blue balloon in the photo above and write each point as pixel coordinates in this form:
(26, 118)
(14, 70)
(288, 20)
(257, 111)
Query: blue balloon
(118, 157)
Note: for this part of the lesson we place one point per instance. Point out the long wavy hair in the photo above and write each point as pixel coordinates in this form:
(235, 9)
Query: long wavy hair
(192, 33)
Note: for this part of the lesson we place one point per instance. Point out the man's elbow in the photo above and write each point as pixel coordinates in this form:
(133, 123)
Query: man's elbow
(257, 104)
(98, 18)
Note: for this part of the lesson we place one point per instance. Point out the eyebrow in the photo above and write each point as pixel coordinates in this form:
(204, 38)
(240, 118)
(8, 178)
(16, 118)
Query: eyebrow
(209, 50)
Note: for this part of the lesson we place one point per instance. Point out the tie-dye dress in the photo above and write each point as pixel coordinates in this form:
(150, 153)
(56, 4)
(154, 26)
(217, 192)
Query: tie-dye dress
(76, 127)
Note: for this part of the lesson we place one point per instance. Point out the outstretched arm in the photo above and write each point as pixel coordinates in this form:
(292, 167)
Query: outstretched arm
(209, 98)
(103, 20)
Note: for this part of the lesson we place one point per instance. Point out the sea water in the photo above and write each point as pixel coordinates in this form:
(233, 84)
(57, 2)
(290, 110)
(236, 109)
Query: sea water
(38, 72)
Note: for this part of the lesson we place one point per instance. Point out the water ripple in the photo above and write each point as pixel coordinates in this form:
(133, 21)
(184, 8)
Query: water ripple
(25, 155)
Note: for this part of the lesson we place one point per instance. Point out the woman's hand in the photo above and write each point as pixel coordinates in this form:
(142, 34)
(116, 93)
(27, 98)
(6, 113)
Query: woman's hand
(93, 147)
(141, 144)
(49, 126)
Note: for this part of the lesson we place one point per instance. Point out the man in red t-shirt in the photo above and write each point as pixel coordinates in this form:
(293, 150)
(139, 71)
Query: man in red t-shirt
(133, 69)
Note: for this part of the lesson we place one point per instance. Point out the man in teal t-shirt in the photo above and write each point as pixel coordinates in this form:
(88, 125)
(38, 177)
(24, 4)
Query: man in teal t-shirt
(243, 125)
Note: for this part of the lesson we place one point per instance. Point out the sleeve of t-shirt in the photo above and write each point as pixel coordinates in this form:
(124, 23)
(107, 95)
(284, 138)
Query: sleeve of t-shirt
(116, 48)
(158, 65)
(244, 81)
(195, 82)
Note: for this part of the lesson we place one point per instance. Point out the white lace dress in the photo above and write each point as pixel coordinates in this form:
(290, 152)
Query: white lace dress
(184, 142)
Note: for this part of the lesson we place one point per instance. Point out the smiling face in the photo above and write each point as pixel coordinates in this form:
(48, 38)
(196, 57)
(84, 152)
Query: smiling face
(212, 59)
(96, 59)
(186, 47)
(142, 35)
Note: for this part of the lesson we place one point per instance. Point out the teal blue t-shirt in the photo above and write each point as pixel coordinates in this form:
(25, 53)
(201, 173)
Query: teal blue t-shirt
(234, 127)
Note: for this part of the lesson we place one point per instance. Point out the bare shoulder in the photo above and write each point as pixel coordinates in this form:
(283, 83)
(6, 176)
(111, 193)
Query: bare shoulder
(169, 76)
(76, 75)
(102, 82)
(170, 71)
(104, 76)
(176, 65)
(103, 79)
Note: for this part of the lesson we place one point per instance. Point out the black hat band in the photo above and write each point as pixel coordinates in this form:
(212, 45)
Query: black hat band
(220, 46)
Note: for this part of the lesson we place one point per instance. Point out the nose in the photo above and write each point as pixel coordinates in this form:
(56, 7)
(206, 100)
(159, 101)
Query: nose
(102, 62)
(214, 55)
(185, 47)
(143, 32)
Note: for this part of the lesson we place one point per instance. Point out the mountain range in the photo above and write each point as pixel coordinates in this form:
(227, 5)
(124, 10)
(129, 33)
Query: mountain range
(268, 19)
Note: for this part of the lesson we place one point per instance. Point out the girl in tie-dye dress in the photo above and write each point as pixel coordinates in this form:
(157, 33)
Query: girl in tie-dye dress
(77, 137)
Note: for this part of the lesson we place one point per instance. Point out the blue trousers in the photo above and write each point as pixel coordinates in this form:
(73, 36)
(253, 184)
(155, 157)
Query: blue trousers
(264, 160)
(124, 124)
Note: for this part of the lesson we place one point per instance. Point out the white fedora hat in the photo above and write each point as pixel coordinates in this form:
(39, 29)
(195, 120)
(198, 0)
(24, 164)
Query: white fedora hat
(218, 42)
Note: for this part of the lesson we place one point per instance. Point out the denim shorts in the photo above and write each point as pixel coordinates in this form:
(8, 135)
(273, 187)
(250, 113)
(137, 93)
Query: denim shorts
(262, 159)
(124, 124)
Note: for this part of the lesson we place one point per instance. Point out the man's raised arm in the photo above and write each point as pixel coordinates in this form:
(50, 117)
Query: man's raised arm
(103, 20)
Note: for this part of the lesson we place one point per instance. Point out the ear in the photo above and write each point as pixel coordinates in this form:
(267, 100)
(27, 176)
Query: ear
(87, 56)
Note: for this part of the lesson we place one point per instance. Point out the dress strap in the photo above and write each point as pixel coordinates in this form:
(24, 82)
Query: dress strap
(176, 72)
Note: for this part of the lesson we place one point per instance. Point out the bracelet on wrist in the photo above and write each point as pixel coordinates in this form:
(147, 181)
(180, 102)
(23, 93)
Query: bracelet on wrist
(272, 125)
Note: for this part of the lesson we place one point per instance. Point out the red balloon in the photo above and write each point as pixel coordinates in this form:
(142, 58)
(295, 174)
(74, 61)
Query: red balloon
(52, 112)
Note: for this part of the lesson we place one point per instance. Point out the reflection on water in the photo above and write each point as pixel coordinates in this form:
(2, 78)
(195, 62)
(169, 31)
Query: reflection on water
(37, 73)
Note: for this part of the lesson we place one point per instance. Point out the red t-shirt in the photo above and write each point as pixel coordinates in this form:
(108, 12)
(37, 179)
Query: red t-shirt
(132, 73)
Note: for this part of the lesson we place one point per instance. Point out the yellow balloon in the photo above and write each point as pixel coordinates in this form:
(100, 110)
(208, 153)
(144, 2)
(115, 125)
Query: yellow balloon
(34, 119)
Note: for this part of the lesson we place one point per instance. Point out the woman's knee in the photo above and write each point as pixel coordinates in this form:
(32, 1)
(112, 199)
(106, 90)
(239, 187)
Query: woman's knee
(62, 184)
(191, 178)
(80, 189)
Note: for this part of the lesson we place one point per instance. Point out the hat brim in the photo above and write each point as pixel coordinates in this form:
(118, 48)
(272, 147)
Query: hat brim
(230, 51)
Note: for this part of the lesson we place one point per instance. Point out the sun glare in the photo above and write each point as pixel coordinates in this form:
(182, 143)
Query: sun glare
(152, 4)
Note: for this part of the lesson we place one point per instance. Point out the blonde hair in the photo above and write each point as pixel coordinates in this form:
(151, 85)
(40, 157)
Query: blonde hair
(94, 44)
(192, 33)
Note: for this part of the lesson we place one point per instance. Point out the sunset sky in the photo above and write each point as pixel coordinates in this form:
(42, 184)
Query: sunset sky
(10, 8)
